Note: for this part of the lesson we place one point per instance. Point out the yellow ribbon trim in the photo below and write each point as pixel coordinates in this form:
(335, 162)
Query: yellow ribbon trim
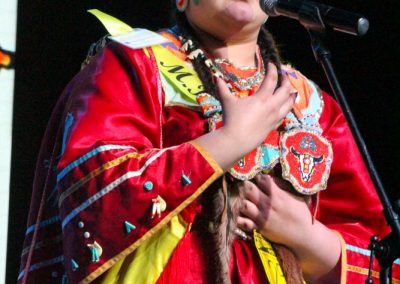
(178, 74)
(114, 26)
(147, 263)
(269, 260)
(97, 172)
(364, 271)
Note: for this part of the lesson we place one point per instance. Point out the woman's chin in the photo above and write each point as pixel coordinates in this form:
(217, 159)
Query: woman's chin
(240, 12)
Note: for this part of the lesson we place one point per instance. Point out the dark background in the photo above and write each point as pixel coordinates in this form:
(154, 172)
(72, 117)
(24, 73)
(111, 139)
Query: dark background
(54, 36)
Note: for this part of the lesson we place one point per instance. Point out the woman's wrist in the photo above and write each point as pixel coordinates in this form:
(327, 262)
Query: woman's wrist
(318, 251)
(225, 148)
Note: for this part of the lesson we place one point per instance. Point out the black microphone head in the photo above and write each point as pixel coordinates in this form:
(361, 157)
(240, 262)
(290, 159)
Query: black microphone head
(269, 7)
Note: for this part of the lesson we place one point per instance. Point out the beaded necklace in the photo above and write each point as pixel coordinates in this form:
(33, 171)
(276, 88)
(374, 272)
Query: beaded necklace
(240, 81)
(243, 84)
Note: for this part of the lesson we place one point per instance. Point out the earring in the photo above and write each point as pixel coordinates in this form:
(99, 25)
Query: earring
(181, 5)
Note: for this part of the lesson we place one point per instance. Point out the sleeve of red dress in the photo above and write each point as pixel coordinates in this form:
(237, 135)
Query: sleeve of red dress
(113, 163)
(350, 204)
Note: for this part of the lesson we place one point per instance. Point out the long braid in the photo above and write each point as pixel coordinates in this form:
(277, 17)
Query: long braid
(269, 51)
(198, 62)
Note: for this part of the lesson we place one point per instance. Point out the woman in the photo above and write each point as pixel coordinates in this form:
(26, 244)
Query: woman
(141, 181)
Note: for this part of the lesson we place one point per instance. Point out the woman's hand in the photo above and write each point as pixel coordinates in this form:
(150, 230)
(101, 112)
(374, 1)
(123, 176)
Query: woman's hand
(247, 121)
(277, 214)
(285, 218)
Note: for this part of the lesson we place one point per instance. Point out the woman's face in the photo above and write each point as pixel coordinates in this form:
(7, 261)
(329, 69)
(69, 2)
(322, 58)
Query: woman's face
(225, 19)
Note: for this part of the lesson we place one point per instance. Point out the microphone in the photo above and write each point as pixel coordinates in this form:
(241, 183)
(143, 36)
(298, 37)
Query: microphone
(316, 15)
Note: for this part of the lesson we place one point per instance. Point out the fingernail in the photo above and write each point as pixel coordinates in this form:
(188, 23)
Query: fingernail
(294, 94)
(215, 78)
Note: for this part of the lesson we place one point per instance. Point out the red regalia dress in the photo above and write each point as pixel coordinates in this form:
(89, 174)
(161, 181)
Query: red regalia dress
(119, 181)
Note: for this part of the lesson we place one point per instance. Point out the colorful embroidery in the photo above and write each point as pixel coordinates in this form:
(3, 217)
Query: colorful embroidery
(45, 242)
(159, 205)
(129, 227)
(33, 267)
(95, 251)
(185, 180)
(96, 172)
(74, 265)
(110, 187)
(43, 224)
(208, 104)
(263, 158)
(69, 120)
(148, 185)
(306, 159)
(89, 155)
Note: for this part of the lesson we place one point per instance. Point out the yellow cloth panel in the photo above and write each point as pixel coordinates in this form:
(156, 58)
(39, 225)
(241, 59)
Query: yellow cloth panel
(178, 74)
(272, 268)
(114, 26)
(148, 261)
(269, 260)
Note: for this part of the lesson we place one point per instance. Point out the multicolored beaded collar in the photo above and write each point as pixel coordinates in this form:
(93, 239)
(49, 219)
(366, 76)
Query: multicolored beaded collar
(304, 154)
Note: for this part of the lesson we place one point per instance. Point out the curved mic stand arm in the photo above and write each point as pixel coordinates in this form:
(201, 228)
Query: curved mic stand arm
(386, 250)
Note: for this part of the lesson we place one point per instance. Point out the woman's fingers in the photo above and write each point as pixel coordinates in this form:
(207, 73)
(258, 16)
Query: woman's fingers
(223, 91)
(245, 224)
(249, 209)
(280, 100)
(264, 183)
(250, 192)
(269, 83)
(256, 212)
(286, 96)
(282, 93)
(288, 104)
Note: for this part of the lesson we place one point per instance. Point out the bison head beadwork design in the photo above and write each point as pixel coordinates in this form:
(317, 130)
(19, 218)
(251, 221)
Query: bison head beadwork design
(306, 158)
(307, 163)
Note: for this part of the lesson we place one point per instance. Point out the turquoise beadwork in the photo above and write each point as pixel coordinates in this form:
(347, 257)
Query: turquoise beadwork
(185, 180)
(74, 265)
(129, 227)
(148, 185)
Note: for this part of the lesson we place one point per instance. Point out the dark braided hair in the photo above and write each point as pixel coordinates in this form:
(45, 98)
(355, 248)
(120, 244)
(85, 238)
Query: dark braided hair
(265, 41)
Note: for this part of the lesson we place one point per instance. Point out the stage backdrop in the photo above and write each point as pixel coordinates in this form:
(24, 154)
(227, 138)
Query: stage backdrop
(53, 37)
(8, 22)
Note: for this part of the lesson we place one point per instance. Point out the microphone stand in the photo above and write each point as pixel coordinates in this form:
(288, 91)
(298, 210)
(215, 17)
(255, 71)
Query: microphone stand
(386, 250)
